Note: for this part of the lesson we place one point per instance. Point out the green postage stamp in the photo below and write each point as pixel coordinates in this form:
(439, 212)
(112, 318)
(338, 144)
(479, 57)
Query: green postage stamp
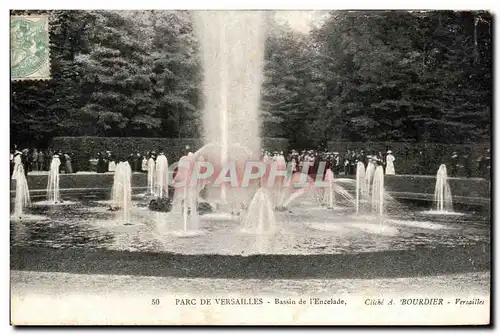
(29, 47)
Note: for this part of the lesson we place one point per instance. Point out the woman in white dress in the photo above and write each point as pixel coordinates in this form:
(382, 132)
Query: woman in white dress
(389, 169)
(22, 192)
(111, 165)
(17, 163)
(144, 165)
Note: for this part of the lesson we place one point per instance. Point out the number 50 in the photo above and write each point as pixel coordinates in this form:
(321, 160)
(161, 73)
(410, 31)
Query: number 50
(155, 302)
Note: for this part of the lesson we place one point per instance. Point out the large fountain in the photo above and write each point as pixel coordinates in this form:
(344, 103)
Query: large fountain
(151, 176)
(260, 218)
(352, 230)
(330, 193)
(161, 177)
(232, 48)
(443, 199)
(185, 200)
(378, 192)
(368, 179)
(360, 184)
(53, 195)
(121, 193)
(53, 192)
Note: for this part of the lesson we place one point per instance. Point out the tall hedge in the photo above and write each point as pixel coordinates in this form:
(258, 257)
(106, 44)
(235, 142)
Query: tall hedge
(414, 158)
(87, 147)
(275, 144)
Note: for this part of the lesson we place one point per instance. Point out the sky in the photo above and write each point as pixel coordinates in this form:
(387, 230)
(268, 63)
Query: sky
(299, 19)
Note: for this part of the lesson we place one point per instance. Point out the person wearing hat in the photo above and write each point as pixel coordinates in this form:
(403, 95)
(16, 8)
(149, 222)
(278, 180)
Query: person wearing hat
(187, 150)
(151, 173)
(389, 159)
(144, 163)
(62, 159)
(111, 162)
(315, 164)
(363, 158)
(295, 160)
(41, 160)
(25, 160)
(336, 163)
(102, 166)
(11, 162)
(67, 163)
(137, 161)
(17, 163)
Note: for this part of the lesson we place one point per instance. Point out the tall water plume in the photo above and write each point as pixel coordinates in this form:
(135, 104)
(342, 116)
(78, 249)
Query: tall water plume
(22, 199)
(232, 47)
(330, 192)
(186, 195)
(370, 170)
(121, 192)
(378, 192)
(360, 183)
(443, 201)
(53, 195)
(161, 180)
(260, 218)
(151, 176)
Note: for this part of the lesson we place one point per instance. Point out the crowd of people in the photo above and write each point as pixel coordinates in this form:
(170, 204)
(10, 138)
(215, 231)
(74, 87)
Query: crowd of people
(340, 163)
(459, 165)
(39, 160)
(106, 161)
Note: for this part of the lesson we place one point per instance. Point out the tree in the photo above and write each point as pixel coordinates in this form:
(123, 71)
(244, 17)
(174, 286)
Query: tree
(292, 92)
(405, 76)
(176, 74)
(114, 73)
(115, 77)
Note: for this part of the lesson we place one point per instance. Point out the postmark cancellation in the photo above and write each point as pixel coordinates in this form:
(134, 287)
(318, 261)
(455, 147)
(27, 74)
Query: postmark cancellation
(29, 47)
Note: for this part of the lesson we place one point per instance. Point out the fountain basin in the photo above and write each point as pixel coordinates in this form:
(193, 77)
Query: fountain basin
(88, 224)
(472, 191)
(305, 244)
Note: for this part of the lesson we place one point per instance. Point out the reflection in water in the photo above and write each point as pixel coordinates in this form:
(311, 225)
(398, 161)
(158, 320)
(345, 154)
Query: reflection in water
(302, 232)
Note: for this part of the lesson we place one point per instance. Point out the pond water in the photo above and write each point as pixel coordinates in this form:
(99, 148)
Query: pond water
(306, 229)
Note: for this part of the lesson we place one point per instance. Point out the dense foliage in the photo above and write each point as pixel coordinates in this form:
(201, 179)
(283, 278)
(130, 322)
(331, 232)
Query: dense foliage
(383, 76)
(361, 76)
(115, 73)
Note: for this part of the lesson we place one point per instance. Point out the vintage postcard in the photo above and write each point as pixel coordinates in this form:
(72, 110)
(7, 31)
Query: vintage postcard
(250, 167)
